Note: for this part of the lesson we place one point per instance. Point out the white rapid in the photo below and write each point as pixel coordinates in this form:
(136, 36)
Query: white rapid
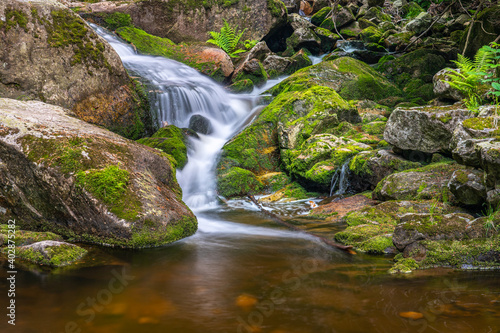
(181, 92)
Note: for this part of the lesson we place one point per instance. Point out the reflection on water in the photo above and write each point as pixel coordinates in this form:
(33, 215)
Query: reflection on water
(237, 277)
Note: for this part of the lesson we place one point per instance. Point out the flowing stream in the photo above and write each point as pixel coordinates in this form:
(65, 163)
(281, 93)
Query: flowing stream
(240, 272)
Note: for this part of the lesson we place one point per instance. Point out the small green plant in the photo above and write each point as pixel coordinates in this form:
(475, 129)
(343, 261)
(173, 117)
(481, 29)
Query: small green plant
(491, 214)
(250, 43)
(227, 39)
(472, 74)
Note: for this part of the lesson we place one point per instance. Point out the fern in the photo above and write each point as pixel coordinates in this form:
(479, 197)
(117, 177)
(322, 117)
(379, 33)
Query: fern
(471, 74)
(227, 39)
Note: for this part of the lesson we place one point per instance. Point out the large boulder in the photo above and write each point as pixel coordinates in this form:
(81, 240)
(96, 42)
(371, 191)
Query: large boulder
(426, 183)
(426, 129)
(191, 21)
(416, 227)
(350, 78)
(50, 54)
(78, 180)
(368, 168)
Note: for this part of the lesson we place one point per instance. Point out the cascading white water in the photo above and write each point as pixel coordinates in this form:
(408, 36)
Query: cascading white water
(340, 179)
(181, 92)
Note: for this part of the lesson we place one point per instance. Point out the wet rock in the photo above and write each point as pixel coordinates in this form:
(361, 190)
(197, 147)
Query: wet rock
(76, 179)
(489, 153)
(327, 38)
(429, 182)
(337, 210)
(51, 253)
(23, 237)
(468, 187)
(86, 75)
(200, 124)
(303, 35)
(442, 88)
(426, 129)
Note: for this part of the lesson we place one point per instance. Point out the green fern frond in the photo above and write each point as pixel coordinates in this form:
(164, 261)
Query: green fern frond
(227, 39)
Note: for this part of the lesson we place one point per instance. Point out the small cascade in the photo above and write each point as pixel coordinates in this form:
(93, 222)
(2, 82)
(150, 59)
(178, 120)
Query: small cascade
(180, 92)
(340, 180)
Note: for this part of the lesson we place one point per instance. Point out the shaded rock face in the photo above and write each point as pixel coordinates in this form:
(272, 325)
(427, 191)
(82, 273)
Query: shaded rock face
(78, 180)
(69, 65)
(483, 33)
(468, 187)
(191, 21)
(424, 129)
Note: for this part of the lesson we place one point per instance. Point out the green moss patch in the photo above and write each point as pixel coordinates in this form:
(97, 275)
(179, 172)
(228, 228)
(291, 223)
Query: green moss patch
(238, 182)
(55, 256)
(170, 140)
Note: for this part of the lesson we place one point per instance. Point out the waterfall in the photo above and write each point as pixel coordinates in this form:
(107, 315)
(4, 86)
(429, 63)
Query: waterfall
(340, 179)
(181, 92)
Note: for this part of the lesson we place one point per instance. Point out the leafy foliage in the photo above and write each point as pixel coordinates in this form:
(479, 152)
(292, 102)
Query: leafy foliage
(227, 39)
(250, 43)
(471, 74)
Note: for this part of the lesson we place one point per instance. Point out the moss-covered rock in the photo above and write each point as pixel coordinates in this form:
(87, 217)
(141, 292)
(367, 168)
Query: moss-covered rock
(420, 64)
(252, 70)
(86, 75)
(320, 16)
(86, 183)
(429, 182)
(51, 253)
(351, 78)
(370, 35)
(368, 168)
(170, 140)
(245, 85)
(23, 237)
(238, 182)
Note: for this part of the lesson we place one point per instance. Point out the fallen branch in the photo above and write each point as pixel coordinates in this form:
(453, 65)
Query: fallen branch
(275, 217)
